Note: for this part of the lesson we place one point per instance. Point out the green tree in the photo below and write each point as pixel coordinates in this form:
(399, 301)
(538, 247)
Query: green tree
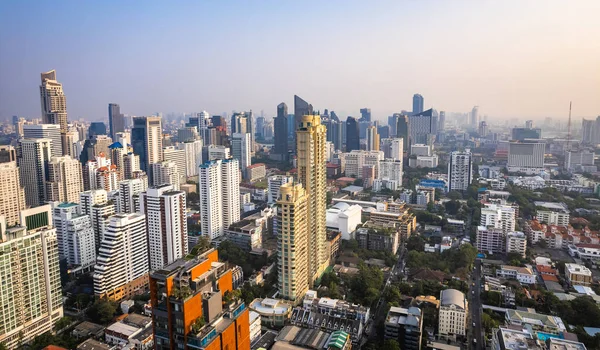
(488, 322)
(454, 195)
(390, 344)
(102, 311)
(3, 346)
(62, 323)
(415, 242)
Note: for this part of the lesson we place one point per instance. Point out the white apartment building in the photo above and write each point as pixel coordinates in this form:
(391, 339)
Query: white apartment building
(240, 149)
(420, 149)
(193, 156)
(45, 131)
(516, 242)
(522, 274)
(526, 157)
(393, 148)
(460, 170)
(452, 313)
(344, 218)
(274, 182)
(76, 241)
(100, 214)
(131, 164)
(88, 199)
(553, 217)
(11, 192)
(166, 172)
(391, 170)
(356, 160)
(32, 309)
(35, 154)
(122, 265)
(424, 162)
(166, 223)
(65, 180)
(129, 191)
(499, 216)
(219, 184)
(490, 239)
(216, 152)
(177, 156)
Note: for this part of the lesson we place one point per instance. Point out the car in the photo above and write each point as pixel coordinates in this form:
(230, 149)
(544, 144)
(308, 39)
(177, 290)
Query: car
(473, 292)
(473, 324)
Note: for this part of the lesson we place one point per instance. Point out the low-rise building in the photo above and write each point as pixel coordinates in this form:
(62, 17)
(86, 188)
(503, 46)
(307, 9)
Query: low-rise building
(512, 339)
(273, 312)
(522, 274)
(405, 326)
(256, 172)
(585, 251)
(552, 213)
(344, 218)
(538, 322)
(92, 344)
(578, 274)
(452, 314)
(378, 239)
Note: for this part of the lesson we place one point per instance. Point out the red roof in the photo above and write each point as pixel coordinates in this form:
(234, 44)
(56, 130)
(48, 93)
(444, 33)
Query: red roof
(550, 278)
(545, 269)
(255, 165)
(587, 245)
(53, 347)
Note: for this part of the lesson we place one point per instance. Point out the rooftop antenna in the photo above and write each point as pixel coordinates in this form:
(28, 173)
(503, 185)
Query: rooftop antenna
(569, 128)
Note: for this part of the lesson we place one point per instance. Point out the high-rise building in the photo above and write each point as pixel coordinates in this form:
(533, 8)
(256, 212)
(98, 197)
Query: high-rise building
(502, 217)
(88, 199)
(293, 242)
(178, 156)
(205, 317)
(166, 173)
(35, 155)
(100, 215)
(193, 156)
(365, 114)
(474, 117)
(280, 148)
(240, 149)
(131, 164)
(301, 108)
(526, 157)
(8, 154)
(372, 139)
(166, 223)
(45, 131)
(402, 130)
(116, 120)
(460, 170)
(97, 129)
(30, 290)
(76, 245)
(311, 160)
(202, 122)
(219, 184)
(274, 183)
(12, 193)
(65, 180)
(420, 127)
(215, 152)
(101, 174)
(393, 148)
(122, 264)
(352, 135)
(54, 102)
(418, 103)
(442, 121)
(453, 313)
(146, 140)
(129, 191)
(483, 128)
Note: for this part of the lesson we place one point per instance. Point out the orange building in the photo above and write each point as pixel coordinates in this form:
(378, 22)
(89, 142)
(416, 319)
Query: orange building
(192, 305)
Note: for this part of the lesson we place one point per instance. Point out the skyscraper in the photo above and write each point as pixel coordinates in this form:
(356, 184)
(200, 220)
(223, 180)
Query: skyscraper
(442, 121)
(372, 139)
(365, 114)
(54, 103)
(393, 148)
(97, 128)
(166, 223)
(219, 184)
(402, 129)
(76, 245)
(8, 154)
(166, 173)
(65, 180)
(45, 131)
(420, 127)
(460, 170)
(311, 159)
(12, 193)
(146, 140)
(36, 154)
(193, 156)
(30, 289)
(474, 117)
(240, 150)
(280, 148)
(129, 191)
(526, 157)
(352, 135)
(177, 156)
(116, 120)
(483, 128)
(293, 242)
(301, 108)
(122, 265)
(418, 103)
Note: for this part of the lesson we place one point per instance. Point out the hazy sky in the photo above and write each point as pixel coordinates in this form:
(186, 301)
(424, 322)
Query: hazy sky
(512, 58)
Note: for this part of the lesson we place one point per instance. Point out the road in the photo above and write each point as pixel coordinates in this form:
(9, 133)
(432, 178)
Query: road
(475, 309)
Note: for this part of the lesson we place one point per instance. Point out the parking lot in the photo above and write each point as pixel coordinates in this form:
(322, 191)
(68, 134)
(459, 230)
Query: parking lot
(554, 254)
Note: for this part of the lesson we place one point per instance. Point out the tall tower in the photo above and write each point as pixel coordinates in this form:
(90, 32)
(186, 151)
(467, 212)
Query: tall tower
(65, 180)
(116, 120)
(76, 242)
(372, 139)
(166, 224)
(166, 173)
(240, 149)
(352, 135)
(474, 117)
(301, 108)
(36, 154)
(11, 192)
(403, 130)
(281, 132)
(460, 170)
(146, 139)
(311, 158)
(418, 102)
(365, 114)
(45, 131)
(293, 254)
(54, 103)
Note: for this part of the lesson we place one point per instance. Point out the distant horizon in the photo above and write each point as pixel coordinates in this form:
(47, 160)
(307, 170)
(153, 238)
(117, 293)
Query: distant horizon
(513, 60)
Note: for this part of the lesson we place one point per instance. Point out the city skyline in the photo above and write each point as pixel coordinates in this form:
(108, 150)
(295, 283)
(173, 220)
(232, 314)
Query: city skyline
(529, 69)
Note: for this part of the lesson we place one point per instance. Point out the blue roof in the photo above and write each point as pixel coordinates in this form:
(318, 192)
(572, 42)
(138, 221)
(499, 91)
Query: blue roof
(116, 145)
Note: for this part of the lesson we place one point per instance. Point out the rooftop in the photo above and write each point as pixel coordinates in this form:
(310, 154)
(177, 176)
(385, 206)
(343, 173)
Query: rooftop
(270, 306)
(535, 319)
(122, 328)
(399, 315)
(578, 269)
(555, 206)
(92, 344)
(563, 344)
(517, 340)
(452, 297)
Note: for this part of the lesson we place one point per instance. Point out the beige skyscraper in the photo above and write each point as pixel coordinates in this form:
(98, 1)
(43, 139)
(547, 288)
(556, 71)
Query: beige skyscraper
(54, 103)
(65, 180)
(12, 195)
(311, 138)
(293, 242)
(372, 139)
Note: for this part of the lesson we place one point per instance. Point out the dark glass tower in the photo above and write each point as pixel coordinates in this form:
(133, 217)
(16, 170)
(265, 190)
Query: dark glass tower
(352, 135)
(116, 120)
(417, 104)
(402, 129)
(301, 108)
(365, 114)
(97, 128)
(281, 132)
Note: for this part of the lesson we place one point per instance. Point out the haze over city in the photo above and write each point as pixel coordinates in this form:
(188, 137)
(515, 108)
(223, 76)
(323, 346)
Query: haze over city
(513, 59)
